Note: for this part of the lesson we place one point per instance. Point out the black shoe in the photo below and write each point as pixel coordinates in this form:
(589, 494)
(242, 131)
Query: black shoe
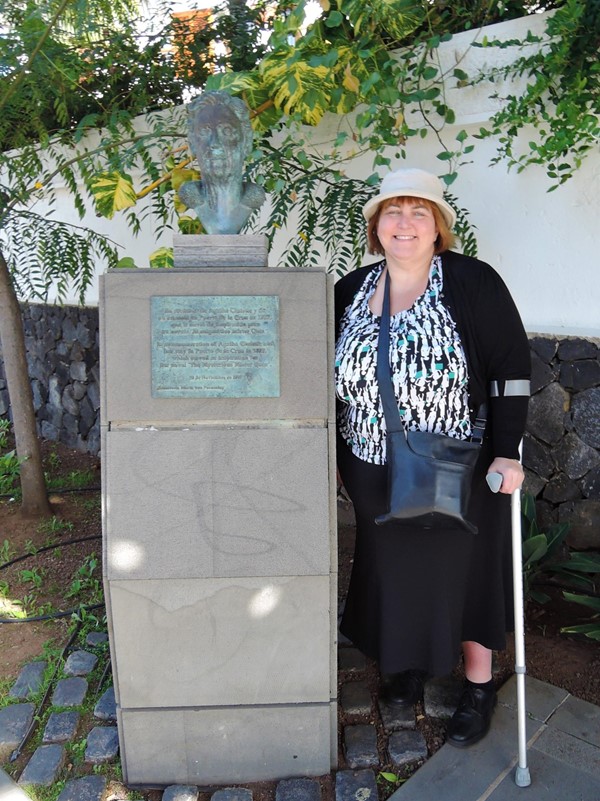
(403, 689)
(471, 721)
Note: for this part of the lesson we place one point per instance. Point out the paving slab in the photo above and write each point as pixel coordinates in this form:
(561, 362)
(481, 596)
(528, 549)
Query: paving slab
(102, 745)
(570, 750)
(61, 727)
(563, 765)
(405, 747)
(551, 780)
(14, 723)
(96, 638)
(441, 696)
(351, 660)
(70, 692)
(355, 698)
(28, 681)
(541, 699)
(89, 788)
(360, 746)
(394, 717)
(80, 663)
(579, 718)
(44, 766)
(232, 794)
(180, 792)
(355, 785)
(106, 708)
(298, 790)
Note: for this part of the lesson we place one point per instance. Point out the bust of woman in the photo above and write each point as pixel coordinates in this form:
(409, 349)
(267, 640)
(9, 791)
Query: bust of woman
(220, 137)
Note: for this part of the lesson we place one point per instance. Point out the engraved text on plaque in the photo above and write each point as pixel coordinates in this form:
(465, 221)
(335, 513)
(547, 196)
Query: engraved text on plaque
(215, 346)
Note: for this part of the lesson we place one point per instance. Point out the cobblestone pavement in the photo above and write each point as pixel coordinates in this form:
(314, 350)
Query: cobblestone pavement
(374, 737)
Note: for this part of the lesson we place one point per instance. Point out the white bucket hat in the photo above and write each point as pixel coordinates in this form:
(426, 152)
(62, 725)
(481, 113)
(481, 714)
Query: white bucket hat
(410, 182)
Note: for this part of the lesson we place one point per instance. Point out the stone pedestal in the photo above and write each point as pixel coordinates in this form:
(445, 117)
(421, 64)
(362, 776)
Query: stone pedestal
(219, 525)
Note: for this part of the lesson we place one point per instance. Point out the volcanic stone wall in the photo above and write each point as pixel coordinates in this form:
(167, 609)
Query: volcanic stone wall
(561, 449)
(63, 362)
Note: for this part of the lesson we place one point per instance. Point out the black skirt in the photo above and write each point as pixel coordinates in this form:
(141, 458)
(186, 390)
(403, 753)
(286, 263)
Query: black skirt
(415, 594)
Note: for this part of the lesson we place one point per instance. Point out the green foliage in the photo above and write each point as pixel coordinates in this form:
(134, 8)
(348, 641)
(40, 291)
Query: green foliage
(546, 558)
(561, 101)
(376, 64)
(4, 432)
(76, 479)
(6, 552)
(32, 576)
(10, 466)
(55, 526)
(592, 629)
(162, 258)
(82, 61)
(86, 583)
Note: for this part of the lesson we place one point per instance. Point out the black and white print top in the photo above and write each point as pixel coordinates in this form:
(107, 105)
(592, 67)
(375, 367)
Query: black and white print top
(429, 369)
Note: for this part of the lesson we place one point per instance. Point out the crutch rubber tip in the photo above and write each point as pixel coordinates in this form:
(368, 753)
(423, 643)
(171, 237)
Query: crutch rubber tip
(522, 777)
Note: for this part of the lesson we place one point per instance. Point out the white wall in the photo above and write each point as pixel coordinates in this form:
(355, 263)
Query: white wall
(545, 245)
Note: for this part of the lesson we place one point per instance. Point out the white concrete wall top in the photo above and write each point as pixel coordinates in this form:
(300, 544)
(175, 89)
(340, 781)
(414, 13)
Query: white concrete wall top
(543, 244)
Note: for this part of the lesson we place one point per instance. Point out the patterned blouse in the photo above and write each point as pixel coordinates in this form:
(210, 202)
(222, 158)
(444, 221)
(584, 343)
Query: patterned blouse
(429, 369)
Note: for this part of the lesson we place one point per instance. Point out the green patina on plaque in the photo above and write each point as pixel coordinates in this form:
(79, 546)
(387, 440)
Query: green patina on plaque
(215, 346)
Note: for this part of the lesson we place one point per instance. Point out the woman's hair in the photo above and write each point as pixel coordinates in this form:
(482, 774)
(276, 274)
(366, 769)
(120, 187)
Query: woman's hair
(445, 237)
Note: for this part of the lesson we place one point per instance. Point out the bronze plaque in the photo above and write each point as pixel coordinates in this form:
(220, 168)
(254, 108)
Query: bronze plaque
(215, 346)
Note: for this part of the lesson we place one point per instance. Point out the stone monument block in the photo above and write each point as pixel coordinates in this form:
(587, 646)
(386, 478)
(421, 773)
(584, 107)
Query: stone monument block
(219, 522)
(230, 743)
(126, 317)
(211, 642)
(238, 502)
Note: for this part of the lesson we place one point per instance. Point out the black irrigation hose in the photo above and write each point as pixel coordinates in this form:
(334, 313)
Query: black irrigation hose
(17, 752)
(53, 615)
(49, 548)
(104, 675)
(49, 616)
(60, 491)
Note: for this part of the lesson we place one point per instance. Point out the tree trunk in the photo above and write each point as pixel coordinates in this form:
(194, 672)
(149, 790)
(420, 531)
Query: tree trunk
(35, 497)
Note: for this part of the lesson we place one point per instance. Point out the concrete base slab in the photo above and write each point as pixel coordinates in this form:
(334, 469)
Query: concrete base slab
(10, 790)
(217, 746)
(221, 642)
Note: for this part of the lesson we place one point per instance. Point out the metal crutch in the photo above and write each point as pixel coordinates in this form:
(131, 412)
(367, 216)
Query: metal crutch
(522, 775)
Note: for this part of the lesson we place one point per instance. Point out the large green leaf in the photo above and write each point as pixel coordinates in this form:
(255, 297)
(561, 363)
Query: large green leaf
(534, 548)
(584, 600)
(113, 192)
(396, 18)
(297, 87)
(585, 562)
(591, 630)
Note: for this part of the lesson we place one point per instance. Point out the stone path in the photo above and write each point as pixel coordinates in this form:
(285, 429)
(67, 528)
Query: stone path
(373, 735)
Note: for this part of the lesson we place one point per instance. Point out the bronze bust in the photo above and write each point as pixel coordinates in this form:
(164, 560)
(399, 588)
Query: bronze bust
(220, 137)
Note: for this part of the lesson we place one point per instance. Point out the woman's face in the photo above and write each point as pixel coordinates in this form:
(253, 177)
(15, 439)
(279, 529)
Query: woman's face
(407, 231)
(218, 142)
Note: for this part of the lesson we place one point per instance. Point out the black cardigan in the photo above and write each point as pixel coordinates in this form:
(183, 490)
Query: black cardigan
(492, 334)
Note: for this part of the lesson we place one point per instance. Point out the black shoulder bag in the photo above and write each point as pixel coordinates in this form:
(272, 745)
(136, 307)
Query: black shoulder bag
(429, 475)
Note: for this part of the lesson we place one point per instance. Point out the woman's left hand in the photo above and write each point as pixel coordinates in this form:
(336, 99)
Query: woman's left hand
(511, 472)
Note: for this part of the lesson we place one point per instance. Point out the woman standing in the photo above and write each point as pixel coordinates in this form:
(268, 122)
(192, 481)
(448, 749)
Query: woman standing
(417, 596)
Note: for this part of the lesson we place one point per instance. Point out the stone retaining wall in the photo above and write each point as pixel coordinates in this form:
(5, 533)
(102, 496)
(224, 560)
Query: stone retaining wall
(63, 359)
(561, 447)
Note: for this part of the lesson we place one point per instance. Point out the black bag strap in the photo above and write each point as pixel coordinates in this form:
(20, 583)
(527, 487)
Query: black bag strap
(384, 373)
(393, 421)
